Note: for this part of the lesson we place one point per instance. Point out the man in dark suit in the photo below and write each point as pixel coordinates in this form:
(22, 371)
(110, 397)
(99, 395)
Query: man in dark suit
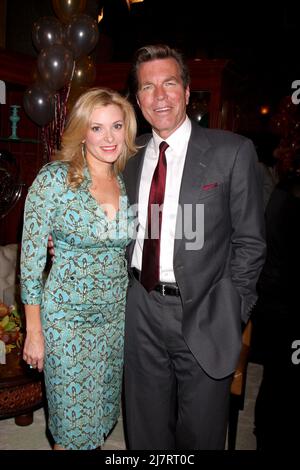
(191, 290)
(276, 318)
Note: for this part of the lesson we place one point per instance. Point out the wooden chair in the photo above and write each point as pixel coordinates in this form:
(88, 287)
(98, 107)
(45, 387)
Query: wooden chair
(238, 387)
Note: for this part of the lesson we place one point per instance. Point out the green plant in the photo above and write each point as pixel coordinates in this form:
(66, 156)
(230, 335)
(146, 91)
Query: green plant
(11, 326)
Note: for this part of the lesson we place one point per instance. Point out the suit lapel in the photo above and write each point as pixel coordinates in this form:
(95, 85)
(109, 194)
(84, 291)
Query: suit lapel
(196, 163)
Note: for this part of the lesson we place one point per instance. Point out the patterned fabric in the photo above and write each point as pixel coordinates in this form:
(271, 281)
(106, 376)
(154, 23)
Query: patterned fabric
(82, 302)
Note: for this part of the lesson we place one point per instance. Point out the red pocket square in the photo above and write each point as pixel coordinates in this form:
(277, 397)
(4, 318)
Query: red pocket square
(206, 187)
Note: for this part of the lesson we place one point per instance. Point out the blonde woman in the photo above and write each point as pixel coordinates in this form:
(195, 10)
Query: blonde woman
(75, 321)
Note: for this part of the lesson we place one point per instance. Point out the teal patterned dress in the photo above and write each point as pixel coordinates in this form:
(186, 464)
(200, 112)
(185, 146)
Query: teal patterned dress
(82, 302)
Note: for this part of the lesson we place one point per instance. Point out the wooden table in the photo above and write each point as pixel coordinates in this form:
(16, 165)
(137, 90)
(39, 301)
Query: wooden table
(21, 389)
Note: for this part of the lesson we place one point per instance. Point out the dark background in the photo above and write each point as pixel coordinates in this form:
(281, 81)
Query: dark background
(260, 40)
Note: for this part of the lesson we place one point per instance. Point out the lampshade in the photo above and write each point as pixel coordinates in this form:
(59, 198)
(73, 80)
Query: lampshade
(129, 2)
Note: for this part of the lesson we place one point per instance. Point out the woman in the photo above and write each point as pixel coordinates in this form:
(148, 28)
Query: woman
(75, 320)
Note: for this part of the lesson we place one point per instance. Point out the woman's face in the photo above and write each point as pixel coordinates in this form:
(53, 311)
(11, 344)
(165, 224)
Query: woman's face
(105, 137)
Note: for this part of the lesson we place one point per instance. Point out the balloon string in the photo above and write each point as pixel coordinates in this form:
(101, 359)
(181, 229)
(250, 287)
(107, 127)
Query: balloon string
(64, 95)
(45, 145)
(70, 81)
(52, 132)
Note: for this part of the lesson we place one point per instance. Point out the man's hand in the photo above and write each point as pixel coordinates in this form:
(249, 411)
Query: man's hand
(50, 246)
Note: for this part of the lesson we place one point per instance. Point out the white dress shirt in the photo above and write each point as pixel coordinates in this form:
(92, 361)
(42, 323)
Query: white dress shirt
(175, 156)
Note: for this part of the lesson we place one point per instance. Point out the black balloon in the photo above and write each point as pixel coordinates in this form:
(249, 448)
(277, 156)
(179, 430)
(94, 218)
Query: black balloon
(84, 73)
(81, 34)
(47, 31)
(64, 9)
(39, 104)
(55, 65)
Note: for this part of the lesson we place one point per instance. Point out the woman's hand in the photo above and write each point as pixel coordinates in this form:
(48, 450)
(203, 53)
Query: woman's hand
(34, 347)
(50, 246)
(34, 350)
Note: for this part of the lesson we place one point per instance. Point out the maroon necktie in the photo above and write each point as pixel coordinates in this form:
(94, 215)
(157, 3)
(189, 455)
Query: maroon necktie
(151, 249)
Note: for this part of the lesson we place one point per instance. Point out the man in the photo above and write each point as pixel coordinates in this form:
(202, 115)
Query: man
(276, 318)
(193, 283)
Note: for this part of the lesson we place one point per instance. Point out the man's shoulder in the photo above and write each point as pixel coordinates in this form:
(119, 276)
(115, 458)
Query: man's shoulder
(133, 162)
(143, 139)
(220, 136)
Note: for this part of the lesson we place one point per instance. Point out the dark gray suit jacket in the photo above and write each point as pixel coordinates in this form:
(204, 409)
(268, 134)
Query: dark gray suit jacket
(217, 282)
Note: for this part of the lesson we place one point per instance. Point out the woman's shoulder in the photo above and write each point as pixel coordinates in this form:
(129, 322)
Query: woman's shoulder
(51, 175)
(56, 171)
(55, 168)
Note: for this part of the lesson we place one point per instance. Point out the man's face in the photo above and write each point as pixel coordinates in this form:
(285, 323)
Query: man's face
(161, 95)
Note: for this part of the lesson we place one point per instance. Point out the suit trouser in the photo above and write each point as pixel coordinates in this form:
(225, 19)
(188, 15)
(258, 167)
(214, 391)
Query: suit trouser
(170, 402)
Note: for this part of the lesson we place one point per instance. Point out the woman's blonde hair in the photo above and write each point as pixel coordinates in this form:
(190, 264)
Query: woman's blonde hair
(72, 150)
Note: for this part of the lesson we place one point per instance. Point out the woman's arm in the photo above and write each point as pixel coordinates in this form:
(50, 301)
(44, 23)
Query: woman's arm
(40, 209)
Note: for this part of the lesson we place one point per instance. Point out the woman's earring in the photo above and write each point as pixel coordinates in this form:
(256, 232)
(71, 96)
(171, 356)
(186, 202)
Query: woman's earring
(83, 150)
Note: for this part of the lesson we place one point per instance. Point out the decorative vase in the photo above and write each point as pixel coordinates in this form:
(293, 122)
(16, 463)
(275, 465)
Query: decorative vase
(14, 118)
